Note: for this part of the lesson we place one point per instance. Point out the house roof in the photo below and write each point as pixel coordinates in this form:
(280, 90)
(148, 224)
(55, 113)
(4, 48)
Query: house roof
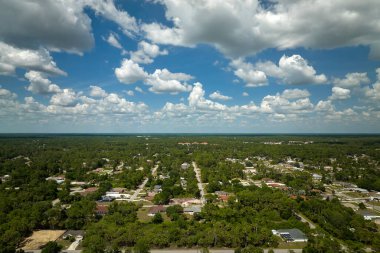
(221, 193)
(91, 189)
(119, 190)
(88, 191)
(101, 209)
(192, 209)
(183, 200)
(223, 197)
(294, 233)
(73, 233)
(157, 209)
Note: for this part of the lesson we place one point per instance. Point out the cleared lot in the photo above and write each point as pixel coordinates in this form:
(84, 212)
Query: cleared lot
(40, 238)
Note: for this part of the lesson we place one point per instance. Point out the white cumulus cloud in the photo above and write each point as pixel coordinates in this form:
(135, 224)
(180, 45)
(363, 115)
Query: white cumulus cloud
(352, 80)
(96, 91)
(160, 81)
(39, 60)
(130, 72)
(67, 97)
(146, 52)
(40, 84)
(373, 93)
(219, 96)
(340, 93)
(292, 70)
(247, 72)
(113, 40)
(197, 100)
(241, 28)
(295, 93)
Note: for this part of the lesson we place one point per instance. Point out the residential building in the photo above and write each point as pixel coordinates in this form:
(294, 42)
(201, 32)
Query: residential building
(191, 210)
(156, 209)
(368, 214)
(291, 235)
(101, 209)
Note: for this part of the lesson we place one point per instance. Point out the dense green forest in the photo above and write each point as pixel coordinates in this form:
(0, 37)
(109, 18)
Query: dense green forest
(243, 222)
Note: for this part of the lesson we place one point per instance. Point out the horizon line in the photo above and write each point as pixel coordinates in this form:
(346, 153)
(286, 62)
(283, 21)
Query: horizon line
(186, 133)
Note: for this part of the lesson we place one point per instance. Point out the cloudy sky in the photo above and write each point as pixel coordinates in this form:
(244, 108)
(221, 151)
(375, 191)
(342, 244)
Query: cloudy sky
(223, 66)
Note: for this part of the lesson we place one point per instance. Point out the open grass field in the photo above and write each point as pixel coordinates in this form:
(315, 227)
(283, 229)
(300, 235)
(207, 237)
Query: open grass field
(142, 215)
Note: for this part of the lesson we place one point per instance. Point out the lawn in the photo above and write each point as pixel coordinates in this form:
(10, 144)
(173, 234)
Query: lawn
(291, 245)
(142, 215)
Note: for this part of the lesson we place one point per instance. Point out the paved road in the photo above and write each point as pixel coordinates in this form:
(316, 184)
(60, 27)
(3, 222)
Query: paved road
(75, 244)
(200, 186)
(345, 198)
(138, 190)
(373, 207)
(303, 219)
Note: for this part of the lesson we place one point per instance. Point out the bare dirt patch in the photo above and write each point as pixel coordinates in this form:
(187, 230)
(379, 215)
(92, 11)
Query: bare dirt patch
(40, 238)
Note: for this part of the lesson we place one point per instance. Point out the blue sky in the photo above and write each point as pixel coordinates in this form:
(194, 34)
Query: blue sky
(218, 66)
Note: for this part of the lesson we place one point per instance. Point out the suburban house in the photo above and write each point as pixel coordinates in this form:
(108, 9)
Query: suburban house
(105, 198)
(316, 177)
(221, 193)
(223, 198)
(280, 186)
(191, 210)
(88, 191)
(368, 214)
(58, 179)
(118, 190)
(184, 202)
(101, 209)
(356, 189)
(78, 183)
(156, 209)
(157, 188)
(117, 195)
(291, 235)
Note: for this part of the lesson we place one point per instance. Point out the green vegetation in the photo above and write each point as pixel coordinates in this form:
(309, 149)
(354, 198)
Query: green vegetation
(243, 222)
(51, 247)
